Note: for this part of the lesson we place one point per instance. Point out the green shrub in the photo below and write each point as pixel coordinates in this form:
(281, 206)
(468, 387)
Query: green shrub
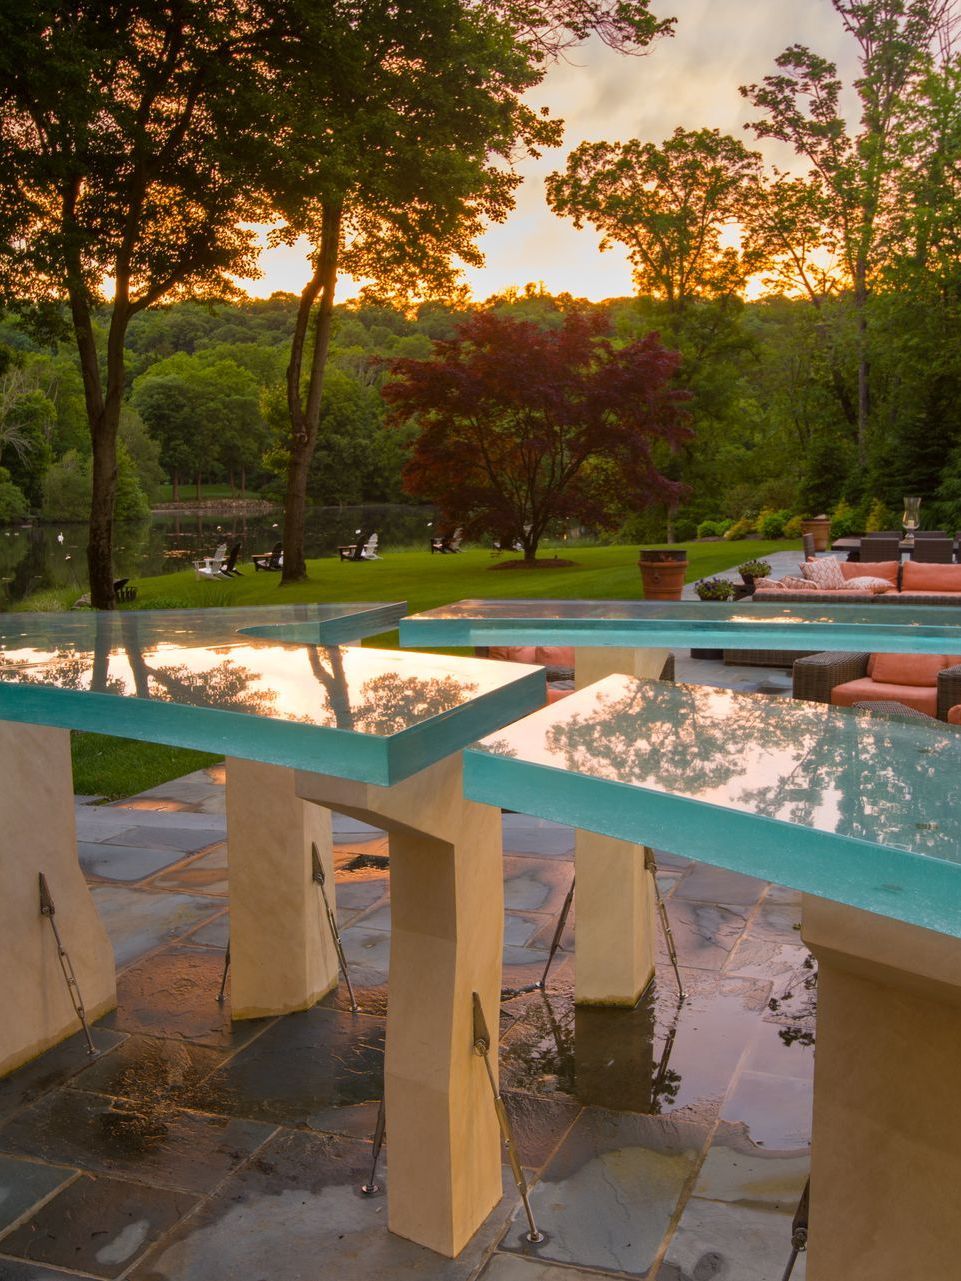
(713, 528)
(742, 528)
(792, 527)
(13, 501)
(880, 517)
(684, 530)
(770, 524)
(844, 520)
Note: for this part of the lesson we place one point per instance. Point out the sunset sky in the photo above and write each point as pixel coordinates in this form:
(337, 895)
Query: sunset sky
(690, 80)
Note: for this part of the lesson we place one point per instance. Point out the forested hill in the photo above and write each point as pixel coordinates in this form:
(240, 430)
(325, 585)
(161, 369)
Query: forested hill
(774, 383)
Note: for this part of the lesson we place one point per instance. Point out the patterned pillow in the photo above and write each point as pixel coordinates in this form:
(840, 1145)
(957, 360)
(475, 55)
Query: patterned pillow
(825, 572)
(794, 584)
(868, 584)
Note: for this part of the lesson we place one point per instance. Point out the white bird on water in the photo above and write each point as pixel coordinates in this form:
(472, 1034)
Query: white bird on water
(60, 538)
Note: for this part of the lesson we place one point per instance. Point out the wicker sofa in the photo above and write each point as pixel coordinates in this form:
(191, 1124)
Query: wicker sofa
(929, 683)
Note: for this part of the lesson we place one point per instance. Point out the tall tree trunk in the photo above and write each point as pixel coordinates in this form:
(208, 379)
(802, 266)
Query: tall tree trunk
(176, 489)
(864, 371)
(199, 486)
(305, 414)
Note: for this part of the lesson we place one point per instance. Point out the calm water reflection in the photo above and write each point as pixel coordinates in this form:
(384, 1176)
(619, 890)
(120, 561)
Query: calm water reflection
(32, 559)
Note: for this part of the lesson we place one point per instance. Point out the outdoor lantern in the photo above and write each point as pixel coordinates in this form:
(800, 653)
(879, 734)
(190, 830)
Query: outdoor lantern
(910, 518)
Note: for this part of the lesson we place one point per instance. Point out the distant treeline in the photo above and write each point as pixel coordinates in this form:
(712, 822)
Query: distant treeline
(773, 434)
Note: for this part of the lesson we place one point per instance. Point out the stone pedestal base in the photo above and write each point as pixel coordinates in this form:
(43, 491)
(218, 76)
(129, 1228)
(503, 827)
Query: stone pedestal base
(282, 956)
(886, 1154)
(614, 939)
(38, 834)
(447, 923)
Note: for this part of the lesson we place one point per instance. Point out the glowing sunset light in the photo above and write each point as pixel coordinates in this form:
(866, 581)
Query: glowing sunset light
(691, 80)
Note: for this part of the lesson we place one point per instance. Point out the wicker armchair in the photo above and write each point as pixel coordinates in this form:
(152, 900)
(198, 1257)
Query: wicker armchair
(816, 676)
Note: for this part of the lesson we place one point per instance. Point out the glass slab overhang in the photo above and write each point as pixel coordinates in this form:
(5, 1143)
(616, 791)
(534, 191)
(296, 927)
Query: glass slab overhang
(862, 810)
(874, 627)
(193, 680)
(330, 624)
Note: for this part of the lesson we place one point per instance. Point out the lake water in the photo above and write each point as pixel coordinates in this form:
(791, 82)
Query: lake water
(32, 559)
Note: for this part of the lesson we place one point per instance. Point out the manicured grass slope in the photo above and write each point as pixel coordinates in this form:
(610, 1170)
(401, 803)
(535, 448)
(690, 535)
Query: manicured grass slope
(118, 767)
(425, 581)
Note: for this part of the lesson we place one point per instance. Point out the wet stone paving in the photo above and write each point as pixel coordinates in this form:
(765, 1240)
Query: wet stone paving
(668, 1141)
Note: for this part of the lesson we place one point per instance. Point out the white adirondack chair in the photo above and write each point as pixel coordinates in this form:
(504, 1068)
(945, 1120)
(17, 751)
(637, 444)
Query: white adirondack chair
(369, 549)
(210, 566)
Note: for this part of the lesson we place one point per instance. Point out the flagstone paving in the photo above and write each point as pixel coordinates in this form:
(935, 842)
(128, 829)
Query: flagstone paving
(669, 1141)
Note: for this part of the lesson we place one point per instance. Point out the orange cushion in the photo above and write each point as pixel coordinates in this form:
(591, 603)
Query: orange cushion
(954, 714)
(906, 669)
(917, 576)
(513, 653)
(871, 569)
(554, 695)
(866, 690)
(554, 655)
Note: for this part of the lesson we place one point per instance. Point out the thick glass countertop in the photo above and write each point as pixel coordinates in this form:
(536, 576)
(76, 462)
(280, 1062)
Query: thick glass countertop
(859, 809)
(331, 624)
(874, 627)
(373, 715)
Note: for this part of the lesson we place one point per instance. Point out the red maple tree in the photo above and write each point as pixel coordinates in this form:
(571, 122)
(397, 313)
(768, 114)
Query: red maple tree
(522, 425)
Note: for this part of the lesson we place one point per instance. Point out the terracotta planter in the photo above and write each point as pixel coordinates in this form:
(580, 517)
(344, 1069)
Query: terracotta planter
(662, 572)
(820, 527)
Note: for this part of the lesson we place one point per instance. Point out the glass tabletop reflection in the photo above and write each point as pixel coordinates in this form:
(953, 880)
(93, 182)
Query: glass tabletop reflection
(860, 809)
(378, 715)
(876, 626)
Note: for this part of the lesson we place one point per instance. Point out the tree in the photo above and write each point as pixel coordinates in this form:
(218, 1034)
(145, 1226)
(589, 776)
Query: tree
(126, 153)
(668, 205)
(419, 108)
(852, 172)
(521, 425)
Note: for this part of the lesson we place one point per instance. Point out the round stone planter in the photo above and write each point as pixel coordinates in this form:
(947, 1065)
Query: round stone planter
(662, 572)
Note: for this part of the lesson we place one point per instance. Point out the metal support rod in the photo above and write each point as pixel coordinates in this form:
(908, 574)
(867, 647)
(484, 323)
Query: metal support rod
(558, 932)
(380, 1128)
(508, 993)
(651, 865)
(482, 1047)
(223, 978)
(48, 910)
(799, 1230)
(320, 879)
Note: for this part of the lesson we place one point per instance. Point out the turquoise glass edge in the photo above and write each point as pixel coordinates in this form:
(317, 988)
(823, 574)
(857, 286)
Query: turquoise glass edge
(429, 742)
(885, 880)
(335, 631)
(425, 633)
(314, 748)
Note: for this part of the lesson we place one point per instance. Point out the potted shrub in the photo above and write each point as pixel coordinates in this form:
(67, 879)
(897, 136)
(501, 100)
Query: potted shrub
(662, 572)
(752, 569)
(714, 589)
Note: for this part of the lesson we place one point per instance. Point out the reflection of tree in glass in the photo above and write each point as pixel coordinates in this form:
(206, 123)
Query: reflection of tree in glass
(225, 686)
(390, 702)
(65, 668)
(802, 763)
(686, 737)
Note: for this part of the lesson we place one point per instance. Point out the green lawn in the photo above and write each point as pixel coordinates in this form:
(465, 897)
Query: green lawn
(188, 492)
(116, 768)
(425, 581)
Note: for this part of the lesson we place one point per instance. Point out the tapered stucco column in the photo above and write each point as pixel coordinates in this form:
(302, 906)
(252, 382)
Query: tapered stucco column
(886, 1148)
(282, 955)
(38, 834)
(614, 939)
(447, 919)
